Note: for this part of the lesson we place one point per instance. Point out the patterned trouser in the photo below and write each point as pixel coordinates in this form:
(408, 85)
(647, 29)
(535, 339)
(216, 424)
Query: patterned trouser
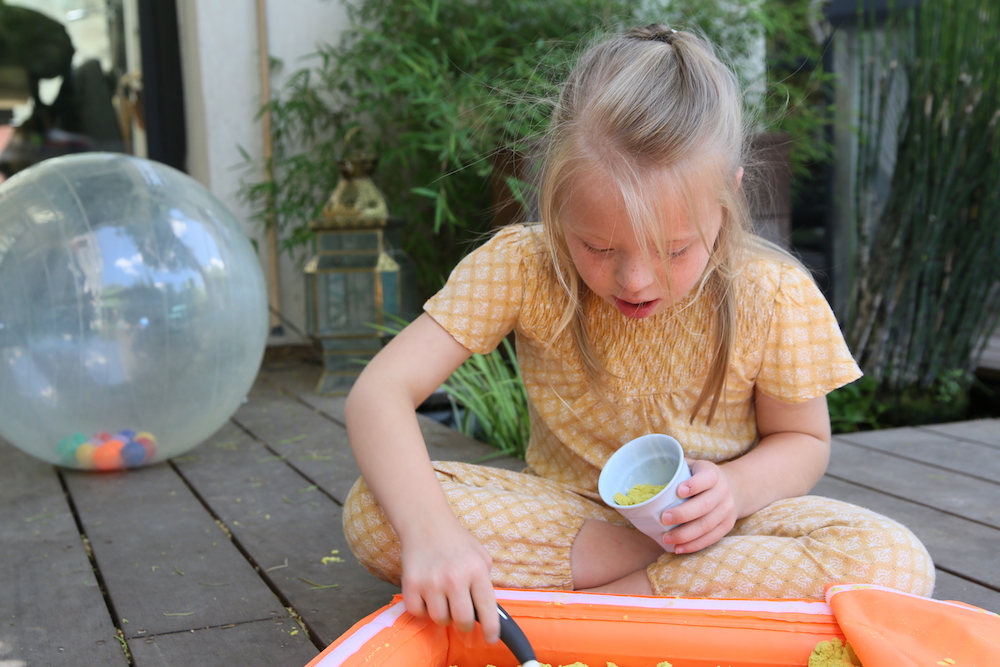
(790, 549)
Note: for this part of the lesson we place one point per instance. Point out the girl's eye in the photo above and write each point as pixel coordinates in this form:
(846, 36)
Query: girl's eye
(679, 253)
(595, 250)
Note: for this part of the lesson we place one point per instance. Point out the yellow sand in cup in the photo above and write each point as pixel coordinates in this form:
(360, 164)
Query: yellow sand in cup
(639, 493)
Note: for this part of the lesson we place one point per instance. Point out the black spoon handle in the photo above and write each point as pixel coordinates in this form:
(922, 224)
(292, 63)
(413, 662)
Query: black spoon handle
(514, 638)
(512, 635)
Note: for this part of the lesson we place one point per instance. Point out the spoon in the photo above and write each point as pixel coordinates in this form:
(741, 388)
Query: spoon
(512, 635)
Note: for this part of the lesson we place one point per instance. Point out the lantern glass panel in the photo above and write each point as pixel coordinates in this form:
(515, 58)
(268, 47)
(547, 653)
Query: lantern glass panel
(346, 303)
(336, 242)
(355, 279)
(391, 301)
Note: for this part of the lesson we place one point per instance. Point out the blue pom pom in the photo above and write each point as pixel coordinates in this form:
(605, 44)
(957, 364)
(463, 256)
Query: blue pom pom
(133, 454)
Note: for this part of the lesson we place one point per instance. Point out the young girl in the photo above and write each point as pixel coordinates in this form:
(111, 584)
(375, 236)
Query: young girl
(641, 304)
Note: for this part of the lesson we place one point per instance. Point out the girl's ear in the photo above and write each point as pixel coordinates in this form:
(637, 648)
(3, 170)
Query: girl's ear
(739, 177)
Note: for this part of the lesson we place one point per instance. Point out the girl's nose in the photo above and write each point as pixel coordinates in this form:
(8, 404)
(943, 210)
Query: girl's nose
(634, 274)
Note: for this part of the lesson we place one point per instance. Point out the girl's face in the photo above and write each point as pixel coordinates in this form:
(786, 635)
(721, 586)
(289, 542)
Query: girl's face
(617, 266)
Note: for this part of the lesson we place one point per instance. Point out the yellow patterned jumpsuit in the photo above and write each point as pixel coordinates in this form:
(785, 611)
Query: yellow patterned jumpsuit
(788, 345)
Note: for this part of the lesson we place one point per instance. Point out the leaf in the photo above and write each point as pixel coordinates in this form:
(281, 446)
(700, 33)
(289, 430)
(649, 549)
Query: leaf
(425, 192)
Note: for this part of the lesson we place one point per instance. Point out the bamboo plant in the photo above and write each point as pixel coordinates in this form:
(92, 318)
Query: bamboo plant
(927, 203)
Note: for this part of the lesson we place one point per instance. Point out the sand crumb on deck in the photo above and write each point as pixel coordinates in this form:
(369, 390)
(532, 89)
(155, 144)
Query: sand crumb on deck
(639, 493)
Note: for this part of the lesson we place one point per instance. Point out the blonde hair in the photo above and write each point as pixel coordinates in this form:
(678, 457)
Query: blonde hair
(652, 100)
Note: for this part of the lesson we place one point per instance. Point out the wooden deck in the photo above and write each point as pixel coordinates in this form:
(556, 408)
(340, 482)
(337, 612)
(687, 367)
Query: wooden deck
(233, 554)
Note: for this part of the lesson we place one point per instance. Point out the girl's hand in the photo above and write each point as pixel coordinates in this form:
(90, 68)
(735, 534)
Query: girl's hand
(446, 576)
(709, 512)
(787, 461)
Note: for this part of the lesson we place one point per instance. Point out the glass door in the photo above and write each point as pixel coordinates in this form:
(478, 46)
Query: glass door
(70, 80)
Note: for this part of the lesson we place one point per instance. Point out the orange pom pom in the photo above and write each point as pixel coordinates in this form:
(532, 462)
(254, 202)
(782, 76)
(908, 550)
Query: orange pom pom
(109, 455)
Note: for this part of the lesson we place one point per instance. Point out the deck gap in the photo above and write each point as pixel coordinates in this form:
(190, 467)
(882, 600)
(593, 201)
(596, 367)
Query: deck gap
(933, 429)
(263, 443)
(150, 635)
(311, 634)
(101, 584)
(965, 577)
(301, 401)
(845, 440)
(911, 500)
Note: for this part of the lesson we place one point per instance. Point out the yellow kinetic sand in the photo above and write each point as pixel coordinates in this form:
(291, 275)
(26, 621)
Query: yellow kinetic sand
(833, 653)
(639, 493)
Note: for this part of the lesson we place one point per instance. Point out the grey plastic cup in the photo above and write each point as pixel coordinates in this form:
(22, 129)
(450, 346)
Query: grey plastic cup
(649, 459)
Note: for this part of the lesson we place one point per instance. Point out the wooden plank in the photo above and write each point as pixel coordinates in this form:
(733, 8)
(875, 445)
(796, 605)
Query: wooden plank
(443, 443)
(288, 526)
(167, 565)
(268, 643)
(309, 440)
(967, 548)
(938, 449)
(447, 444)
(930, 485)
(983, 431)
(300, 380)
(51, 609)
(951, 587)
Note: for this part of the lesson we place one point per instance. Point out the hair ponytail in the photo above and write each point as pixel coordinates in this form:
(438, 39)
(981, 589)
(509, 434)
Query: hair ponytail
(657, 32)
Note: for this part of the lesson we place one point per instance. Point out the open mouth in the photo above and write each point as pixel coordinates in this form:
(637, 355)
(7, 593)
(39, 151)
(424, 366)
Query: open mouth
(637, 310)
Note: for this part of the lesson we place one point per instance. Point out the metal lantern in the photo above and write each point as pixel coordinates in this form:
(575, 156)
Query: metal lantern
(359, 280)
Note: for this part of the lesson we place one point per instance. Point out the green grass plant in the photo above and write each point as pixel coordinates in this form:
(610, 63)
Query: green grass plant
(487, 394)
(490, 400)
(855, 407)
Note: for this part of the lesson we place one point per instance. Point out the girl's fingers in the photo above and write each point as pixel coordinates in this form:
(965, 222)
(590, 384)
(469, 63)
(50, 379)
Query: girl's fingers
(459, 608)
(690, 510)
(704, 476)
(705, 539)
(462, 614)
(438, 609)
(414, 602)
(484, 598)
(701, 532)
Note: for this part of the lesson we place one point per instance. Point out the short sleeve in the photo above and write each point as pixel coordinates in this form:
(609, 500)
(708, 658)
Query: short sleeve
(805, 354)
(480, 303)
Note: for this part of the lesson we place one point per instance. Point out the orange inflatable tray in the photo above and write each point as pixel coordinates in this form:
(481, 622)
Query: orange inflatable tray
(886, 628)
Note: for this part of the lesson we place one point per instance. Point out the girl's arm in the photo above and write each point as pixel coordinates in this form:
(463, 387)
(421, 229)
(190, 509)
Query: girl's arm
(446, 571)
(789, 459)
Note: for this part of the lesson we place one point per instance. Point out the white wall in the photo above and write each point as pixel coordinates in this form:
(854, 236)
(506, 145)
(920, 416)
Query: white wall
(222, 92)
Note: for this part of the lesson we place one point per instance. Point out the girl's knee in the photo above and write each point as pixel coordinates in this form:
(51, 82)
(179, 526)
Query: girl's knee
(369, 535)
(795, 548)
(857, 545)
(896, 558)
